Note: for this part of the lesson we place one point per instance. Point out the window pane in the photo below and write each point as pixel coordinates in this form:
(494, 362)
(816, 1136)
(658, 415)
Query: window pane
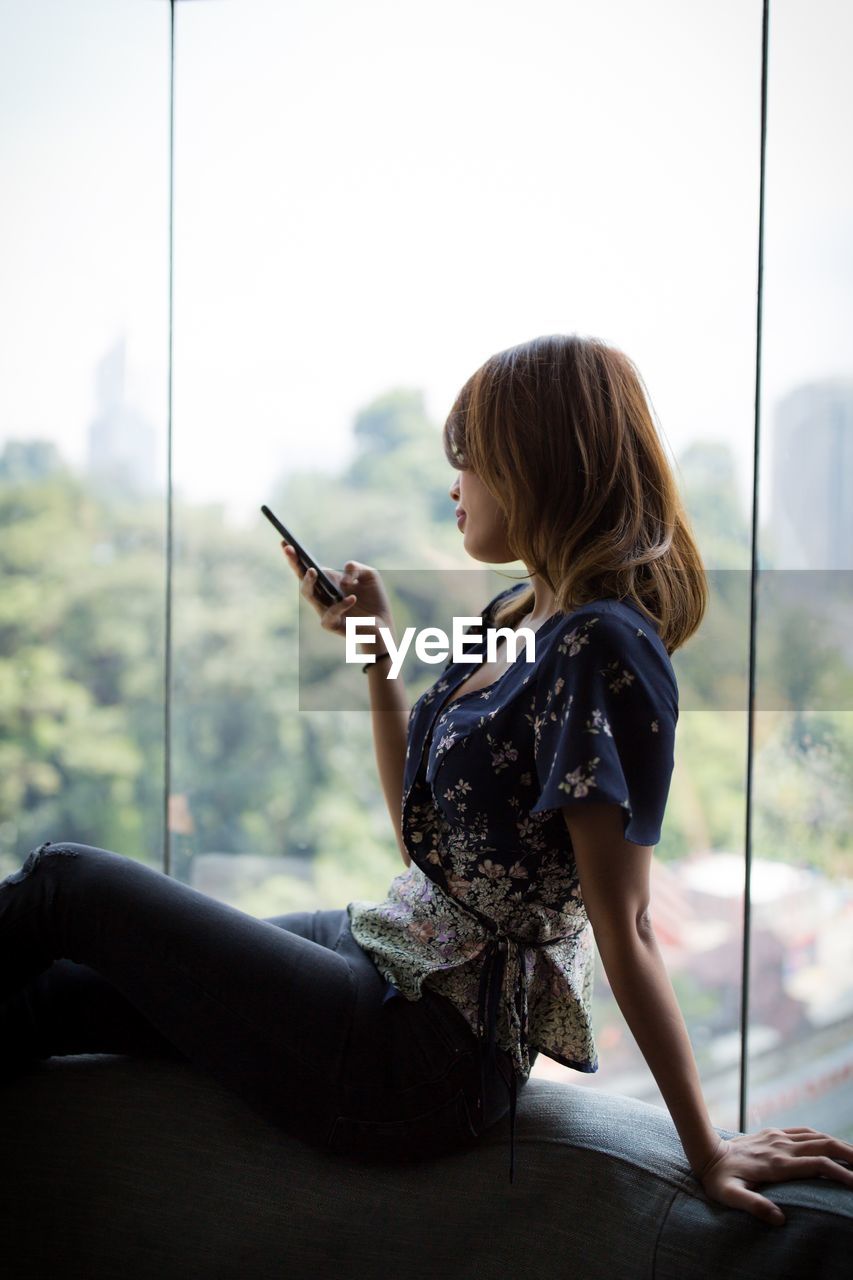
(83, 336)
(801, 990)
(369, 203)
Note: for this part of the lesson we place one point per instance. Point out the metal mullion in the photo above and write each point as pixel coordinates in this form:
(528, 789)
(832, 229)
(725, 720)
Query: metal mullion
(753, 598)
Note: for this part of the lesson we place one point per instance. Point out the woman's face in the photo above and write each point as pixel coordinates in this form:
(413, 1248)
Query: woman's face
(483, 524)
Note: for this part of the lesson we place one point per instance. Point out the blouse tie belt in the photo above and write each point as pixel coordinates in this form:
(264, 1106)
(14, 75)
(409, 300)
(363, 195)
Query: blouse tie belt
(491, 986)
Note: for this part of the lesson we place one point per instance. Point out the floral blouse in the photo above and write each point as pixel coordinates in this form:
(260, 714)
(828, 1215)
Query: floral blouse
(490, 911)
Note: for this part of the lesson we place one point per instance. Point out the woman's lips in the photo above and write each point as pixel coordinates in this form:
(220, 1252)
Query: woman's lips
(460, 520)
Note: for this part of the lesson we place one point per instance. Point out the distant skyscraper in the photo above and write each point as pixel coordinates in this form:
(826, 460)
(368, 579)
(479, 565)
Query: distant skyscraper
(812, 477)
(122, 445)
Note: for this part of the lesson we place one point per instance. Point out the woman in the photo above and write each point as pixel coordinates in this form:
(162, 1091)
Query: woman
(526, 799)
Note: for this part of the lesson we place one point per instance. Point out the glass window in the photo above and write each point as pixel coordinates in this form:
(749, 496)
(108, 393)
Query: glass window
(368, 201)
(368, 204)
(800, 988)
(84, 341)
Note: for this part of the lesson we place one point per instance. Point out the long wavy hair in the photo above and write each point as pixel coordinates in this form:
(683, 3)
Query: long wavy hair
(560, 431)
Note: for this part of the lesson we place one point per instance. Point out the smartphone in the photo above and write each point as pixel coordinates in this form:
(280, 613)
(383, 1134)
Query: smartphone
(324, 589)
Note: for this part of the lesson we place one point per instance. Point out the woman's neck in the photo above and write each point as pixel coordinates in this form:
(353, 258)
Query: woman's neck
(544, 605)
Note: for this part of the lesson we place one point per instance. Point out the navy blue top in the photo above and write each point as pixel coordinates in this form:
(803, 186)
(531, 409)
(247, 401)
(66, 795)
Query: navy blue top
(491, 905)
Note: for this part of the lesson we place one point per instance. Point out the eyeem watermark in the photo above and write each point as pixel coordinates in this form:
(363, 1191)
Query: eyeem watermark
(803, 640)
(432, 645)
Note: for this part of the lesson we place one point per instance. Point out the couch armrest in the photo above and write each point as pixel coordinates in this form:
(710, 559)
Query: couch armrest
(130, 1167)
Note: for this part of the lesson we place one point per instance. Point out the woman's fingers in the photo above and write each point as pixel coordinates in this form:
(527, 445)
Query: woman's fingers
(354, 574)
(760, 1206)
(775, 1155)
(811, 1142)
(331, 616)
(291, 557)
(738, 1196)
(329, 613)
(814, 1166)
(822, 1144)
(810, 1135)
(347, 578)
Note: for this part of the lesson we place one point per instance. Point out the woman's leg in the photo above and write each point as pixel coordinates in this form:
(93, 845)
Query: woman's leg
(101, 954)
(267, 1011)
(71, 1008)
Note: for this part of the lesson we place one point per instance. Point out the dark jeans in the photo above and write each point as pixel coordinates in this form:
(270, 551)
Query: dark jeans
(102, 954)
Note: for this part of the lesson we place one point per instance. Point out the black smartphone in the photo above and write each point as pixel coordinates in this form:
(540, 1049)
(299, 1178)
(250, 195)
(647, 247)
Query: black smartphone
(324, 589)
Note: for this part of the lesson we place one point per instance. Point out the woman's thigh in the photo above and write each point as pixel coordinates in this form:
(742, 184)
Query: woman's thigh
(287, 1011)
(425, 1103)
(70, 1008)
(265, 1009)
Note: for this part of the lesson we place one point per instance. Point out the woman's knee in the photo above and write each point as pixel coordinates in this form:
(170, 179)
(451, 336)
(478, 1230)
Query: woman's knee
(61, 851)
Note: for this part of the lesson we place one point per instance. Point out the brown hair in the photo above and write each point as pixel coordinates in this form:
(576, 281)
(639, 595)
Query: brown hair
(560, 431)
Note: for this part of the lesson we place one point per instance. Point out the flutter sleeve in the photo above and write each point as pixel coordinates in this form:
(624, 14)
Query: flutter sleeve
(605, 711)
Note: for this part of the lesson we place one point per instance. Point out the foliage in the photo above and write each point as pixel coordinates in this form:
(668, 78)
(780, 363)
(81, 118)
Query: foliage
(83, 667)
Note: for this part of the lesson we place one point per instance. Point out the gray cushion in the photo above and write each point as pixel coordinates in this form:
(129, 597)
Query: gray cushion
(126, 1167)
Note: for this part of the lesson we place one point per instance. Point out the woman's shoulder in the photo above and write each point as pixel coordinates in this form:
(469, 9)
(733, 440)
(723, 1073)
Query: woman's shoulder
(604, 631)
(612, 619)
(618, 611)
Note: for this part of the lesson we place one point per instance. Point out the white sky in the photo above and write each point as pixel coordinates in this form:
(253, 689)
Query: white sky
(381, 194)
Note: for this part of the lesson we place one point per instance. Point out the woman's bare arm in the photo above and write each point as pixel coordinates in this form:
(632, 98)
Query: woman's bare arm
(614, 877)
(388, 702)
(389, 710)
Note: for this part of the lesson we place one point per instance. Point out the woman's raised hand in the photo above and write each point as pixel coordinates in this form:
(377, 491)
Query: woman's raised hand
(772, 1155)
(364, 595)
